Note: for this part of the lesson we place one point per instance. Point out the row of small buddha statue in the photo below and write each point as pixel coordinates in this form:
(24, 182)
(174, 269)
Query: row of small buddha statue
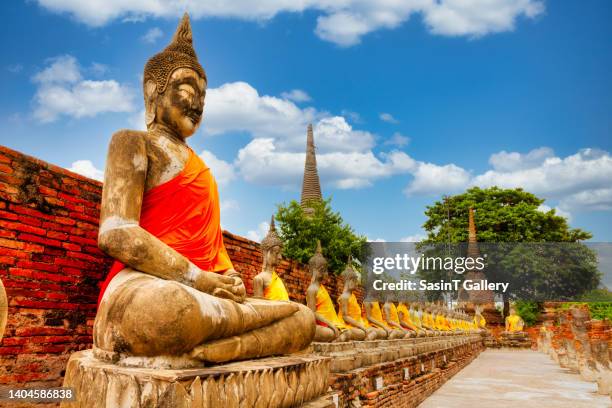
(370, 320)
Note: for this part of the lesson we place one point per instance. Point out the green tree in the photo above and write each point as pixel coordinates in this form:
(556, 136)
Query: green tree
(512, 216)
(300, 234)
(501, 215)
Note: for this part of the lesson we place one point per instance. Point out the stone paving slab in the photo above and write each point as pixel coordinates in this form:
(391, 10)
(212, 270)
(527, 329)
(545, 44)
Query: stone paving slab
(516, 378)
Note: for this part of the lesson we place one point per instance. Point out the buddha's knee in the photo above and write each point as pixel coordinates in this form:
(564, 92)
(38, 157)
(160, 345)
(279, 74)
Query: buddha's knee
(324, 334)
(162, 317)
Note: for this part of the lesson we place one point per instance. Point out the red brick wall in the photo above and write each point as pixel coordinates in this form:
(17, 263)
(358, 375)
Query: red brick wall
(51, 266)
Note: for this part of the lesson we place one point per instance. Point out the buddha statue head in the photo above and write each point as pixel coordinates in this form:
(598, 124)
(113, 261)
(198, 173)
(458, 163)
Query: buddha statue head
(350, 275)
(271, 248)
(174, 85)
(317, 265)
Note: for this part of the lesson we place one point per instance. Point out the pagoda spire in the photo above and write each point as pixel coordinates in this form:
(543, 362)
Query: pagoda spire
(311, 186)
(472, 239)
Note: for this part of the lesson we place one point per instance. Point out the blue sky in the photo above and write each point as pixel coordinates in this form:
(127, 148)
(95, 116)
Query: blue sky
(409, 102)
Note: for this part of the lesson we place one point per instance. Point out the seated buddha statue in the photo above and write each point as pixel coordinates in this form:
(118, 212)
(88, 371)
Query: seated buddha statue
(381, 333)
(514, 322)
(349, 309)
(415, 318)
(173, 297)
(479, 319)
(376, 318)
(406, 320)
(391, 317)
(267, 283)
(428, 321)
(439, 319)
(329, 327)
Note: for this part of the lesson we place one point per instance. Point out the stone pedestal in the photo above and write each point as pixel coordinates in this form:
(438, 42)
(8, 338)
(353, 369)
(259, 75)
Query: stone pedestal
(515, 340)
(270, 382)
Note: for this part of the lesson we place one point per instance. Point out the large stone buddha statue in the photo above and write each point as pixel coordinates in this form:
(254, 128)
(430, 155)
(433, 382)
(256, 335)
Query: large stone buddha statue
(173, 297)
(267, 283)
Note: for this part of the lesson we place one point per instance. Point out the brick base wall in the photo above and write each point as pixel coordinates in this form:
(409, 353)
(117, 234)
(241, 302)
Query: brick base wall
(427, 372)
(51, 267)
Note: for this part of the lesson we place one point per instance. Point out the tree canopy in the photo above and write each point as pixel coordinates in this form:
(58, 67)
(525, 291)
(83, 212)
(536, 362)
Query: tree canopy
(536, 251)
(300, 233)
(501, 215)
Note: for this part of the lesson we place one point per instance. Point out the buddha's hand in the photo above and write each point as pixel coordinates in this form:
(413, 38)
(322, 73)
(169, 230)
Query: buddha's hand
(238, 289)
(219, 285)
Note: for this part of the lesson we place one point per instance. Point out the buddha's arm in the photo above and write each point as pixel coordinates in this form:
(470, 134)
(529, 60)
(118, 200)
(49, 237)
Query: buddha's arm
(373, 321)
(120, 234)
(311, 302)
(258, 285)
(345, 315)
(403, 321)
(389, 321)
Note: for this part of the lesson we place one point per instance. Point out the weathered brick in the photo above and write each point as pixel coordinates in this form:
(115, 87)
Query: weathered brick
(40, 240)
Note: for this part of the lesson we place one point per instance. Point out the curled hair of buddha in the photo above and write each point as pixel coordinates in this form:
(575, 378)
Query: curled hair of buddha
(178, 54)
(317, 261)
(272, 239)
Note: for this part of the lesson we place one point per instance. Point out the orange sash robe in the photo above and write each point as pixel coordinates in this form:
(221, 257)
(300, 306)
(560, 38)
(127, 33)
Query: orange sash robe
(184, 213)
(353, 309)
(325, 307)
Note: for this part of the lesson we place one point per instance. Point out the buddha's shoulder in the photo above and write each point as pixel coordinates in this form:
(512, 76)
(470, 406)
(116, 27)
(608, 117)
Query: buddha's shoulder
(129, 136)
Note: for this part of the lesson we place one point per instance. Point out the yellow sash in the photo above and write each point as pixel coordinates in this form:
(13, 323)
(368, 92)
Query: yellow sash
(377, 314)
(276, 289)
(325, 307)
(353, 310)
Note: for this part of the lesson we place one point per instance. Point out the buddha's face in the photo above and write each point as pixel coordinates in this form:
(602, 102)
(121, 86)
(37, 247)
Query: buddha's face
(351, 284)
(273, 256)
(181, 105)
(320, 271)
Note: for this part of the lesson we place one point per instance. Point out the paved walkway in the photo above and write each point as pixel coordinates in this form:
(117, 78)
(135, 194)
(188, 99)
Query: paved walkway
(521, 378)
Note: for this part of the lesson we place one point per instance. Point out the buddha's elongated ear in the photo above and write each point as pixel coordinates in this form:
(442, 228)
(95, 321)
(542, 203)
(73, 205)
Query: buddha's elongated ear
(150, 99)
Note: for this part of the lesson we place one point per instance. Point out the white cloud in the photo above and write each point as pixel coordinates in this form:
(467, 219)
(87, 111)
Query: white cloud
(62, 91)
(258, 234)
(397, 139)
(221, 170)
(558, 211)
(377, 240)
(599, 199)
(556, 177)
(64, 68)
(478, 17)
(504, 161)
(238, 107)
(431, 179)
(414, 238)
(86, 168)
(296, 95)
(341, 22)
(261, 162)
(152, 35)
(387, 117)
(578, 181)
